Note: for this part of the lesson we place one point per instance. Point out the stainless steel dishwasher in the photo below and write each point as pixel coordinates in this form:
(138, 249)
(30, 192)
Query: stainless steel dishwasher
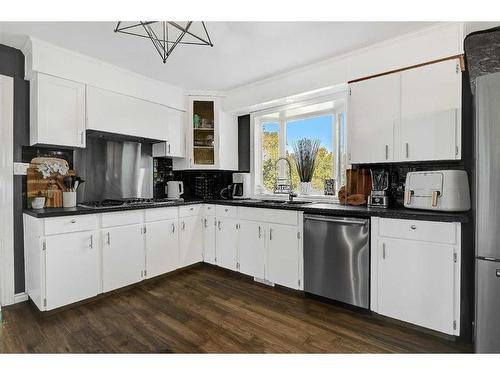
(337, 258)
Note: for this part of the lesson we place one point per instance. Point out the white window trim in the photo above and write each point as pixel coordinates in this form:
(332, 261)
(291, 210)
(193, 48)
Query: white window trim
(256, 165)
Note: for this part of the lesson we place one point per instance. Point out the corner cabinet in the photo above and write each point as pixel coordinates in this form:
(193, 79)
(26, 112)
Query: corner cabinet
(211, 136)
(415, 272)
(57, 111)
(413, 115)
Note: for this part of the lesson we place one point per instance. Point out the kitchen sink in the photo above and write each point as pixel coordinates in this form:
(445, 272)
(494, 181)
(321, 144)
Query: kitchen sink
(298, 202)
(279, 202)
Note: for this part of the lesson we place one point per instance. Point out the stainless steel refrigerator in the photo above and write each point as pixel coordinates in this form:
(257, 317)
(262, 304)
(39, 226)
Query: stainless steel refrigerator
(487, 316)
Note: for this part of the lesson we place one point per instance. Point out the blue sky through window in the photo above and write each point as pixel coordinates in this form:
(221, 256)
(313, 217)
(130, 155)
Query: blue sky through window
(314, 128)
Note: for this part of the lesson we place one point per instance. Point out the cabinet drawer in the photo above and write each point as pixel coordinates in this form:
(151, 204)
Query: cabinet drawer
(157, 214)
(226, 211)
(209, 209)
(269, 215)
(116, 219)
(68, 224)
(430, 231)
(191, 210)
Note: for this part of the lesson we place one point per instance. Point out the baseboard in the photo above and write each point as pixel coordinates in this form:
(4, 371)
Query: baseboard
(20, 297)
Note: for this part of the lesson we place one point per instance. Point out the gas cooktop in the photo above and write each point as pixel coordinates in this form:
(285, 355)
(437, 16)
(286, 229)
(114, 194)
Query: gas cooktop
(127, 202)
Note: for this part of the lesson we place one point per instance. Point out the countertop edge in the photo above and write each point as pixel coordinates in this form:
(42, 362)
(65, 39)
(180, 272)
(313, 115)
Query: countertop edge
(355, 211)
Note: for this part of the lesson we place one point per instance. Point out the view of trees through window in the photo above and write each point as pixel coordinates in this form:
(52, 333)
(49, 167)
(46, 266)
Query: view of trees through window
(321, 128)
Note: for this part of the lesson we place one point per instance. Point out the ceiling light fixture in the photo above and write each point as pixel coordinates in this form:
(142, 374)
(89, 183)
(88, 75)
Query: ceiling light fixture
(166, 35)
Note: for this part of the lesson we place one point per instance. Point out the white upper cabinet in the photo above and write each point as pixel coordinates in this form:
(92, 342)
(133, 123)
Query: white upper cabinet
(413, 115)
(211, 138)
(111, 112)
(430, 112)
(57, 114)
(373, 112)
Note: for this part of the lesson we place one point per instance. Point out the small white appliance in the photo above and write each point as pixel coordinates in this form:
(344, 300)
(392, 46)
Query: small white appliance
(241, 186)
(445, 190)
(175, 189)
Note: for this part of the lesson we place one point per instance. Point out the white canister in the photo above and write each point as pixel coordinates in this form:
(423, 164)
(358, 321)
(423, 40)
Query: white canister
(38, 202)
(69, 199)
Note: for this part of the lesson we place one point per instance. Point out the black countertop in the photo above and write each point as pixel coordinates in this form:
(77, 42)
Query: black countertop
(314, 208)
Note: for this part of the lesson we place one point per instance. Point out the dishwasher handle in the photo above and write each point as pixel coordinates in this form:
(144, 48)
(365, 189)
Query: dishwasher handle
(339, 220)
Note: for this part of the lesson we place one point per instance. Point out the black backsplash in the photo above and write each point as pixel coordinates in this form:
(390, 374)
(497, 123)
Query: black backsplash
(198, 184)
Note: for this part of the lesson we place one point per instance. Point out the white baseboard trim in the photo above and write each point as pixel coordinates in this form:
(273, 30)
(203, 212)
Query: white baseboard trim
(20, 297)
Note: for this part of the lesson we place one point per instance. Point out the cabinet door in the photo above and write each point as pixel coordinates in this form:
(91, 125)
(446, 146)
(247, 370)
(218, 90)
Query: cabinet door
(283, 255)
(252, 248)
(176, 134)
(58, 112)
(227, 242)
(228, 142)
(71, 268)
(122, 114)
(373, 111)
(122, 256)
(162, 247)
(430, 112)
(204, 140)
(209, 251)
(416, 283)
(190, 240)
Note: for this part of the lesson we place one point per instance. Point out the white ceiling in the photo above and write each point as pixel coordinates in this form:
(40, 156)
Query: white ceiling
(243, 52)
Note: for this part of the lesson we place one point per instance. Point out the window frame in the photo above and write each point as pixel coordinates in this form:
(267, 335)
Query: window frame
(259, 118)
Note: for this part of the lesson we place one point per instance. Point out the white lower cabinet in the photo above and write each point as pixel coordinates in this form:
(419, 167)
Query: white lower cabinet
(190, 240)
(162, 247)
(122, 256)
(252, 248)
(71, 268)
(209, 250)
(415, 280)
(283, 256)
(227, 242)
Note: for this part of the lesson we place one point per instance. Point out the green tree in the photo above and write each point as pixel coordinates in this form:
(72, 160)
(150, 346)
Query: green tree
(270, 154)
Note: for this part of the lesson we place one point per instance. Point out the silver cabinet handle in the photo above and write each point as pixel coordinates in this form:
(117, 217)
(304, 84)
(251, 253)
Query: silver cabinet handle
(169, 148)
(91, 241)
(109, 239)
(413, 227)
(407, 150)
(191, 209)
(260, 232)
(183, 227)
(386, 152)
(270, 234)
(173, 228)
(227, 209)
(218, 224)
(73, 221)
(206, 225)
(383, 251)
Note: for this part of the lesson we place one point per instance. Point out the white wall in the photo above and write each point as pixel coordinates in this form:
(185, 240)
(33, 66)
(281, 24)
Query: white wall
(433, 43)
(46, 58)
(6, 190)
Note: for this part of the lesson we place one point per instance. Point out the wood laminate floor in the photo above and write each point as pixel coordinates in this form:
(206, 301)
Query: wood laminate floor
(205, 309)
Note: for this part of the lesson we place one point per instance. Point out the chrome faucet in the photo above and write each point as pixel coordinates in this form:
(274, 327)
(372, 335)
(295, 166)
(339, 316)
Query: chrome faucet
(284, 187)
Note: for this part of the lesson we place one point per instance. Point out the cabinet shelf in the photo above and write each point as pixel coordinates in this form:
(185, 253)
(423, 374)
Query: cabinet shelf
(204, 129)
(204, 147)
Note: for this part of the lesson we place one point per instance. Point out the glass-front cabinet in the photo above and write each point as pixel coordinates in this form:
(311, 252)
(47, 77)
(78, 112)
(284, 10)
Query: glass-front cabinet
(203, 128)
(211, 137)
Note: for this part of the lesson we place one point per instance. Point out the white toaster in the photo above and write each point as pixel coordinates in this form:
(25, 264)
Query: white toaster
(445, 190)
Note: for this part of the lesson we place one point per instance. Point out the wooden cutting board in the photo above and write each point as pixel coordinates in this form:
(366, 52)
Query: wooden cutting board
(51, 188)
(358, 187)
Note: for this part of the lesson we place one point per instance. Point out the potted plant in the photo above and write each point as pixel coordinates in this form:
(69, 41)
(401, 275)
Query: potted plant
(305, 152)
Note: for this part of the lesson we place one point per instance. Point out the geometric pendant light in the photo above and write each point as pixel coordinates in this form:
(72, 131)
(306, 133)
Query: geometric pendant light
(166, 35)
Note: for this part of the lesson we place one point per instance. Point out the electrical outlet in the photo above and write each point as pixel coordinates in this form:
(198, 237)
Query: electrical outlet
(21, 169)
